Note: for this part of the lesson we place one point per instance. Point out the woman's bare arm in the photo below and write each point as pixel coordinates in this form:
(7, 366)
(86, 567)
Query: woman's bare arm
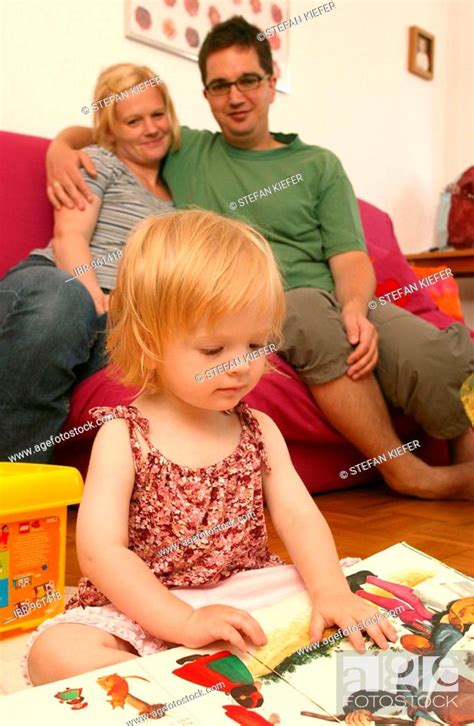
(73, 231)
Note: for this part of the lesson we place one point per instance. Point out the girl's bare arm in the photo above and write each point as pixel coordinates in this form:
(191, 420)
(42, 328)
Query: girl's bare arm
(311, 546)
(102, 540)
(104, 557)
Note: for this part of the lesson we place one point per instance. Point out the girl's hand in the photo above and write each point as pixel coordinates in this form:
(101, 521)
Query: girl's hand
(359, 718)
(221, 622)
(346, 609)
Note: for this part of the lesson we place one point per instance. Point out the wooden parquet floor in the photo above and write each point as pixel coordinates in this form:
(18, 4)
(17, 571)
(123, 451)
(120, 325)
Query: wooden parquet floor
(366, 520)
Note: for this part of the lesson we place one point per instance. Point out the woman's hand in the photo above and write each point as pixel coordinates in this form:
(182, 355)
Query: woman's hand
(65, 183)
(101, 301)
(345, 610)
(221, 622)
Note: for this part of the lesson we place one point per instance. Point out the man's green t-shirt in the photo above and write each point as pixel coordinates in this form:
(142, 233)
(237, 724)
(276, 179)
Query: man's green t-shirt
(298, 196)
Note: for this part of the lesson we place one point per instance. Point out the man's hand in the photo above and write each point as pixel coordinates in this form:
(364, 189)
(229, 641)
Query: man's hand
(363, 334)
(221, 622)
(355, 283)
(65, 183)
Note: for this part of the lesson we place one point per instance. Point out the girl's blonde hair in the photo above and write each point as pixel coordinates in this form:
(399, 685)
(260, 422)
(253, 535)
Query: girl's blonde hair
(179, 269)
(120, 77)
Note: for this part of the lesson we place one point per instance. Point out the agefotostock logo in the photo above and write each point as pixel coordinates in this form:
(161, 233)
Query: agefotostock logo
(395, 679)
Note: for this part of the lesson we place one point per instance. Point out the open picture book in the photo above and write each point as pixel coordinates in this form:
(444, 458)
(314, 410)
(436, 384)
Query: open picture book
(427, 675)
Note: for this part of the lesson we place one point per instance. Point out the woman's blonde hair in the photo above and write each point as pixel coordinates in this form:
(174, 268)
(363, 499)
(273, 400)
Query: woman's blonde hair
(179, 269)
(121, 77)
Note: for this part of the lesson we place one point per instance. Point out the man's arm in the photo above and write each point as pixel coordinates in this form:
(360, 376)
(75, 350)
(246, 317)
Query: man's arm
(354, 280)
(76, 136)
(345, 252)
(65, 184)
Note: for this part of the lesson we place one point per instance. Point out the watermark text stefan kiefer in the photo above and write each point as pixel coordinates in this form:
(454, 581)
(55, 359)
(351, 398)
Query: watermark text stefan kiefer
(235, 362)
(266, 191)
(295, 20)
(117, 97)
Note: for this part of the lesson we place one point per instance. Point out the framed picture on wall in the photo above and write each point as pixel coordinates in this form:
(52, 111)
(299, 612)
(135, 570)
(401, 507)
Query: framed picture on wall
(180, 26)
(421, 53)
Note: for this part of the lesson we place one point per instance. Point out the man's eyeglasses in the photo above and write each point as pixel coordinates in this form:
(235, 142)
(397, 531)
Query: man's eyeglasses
(248, 82)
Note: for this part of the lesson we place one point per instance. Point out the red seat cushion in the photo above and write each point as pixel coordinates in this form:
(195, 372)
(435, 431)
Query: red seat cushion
(318, 451)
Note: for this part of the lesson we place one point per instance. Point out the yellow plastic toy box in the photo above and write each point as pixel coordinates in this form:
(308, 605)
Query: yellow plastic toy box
(33, 519)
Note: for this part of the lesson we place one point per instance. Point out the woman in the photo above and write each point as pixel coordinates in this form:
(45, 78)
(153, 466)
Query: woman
(54, 302)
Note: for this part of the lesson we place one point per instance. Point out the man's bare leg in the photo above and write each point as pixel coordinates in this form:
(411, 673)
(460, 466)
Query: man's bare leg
(461, 448)
(358, 411)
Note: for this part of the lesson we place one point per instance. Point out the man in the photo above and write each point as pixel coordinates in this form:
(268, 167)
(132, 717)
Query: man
(301, 199)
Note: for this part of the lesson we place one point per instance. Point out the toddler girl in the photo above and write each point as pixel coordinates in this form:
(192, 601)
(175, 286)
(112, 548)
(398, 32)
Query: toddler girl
(171, 531)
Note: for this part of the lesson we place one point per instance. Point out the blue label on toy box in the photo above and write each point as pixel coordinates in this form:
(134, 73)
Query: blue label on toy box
(3, 593)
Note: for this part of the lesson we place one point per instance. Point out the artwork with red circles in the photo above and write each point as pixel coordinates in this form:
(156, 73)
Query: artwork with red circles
(180, 26)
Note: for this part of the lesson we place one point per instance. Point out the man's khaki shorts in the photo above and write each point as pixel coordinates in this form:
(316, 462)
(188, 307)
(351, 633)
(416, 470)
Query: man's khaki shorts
(420, 369)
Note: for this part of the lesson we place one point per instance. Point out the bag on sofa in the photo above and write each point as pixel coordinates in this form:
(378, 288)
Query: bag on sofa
(461, 214)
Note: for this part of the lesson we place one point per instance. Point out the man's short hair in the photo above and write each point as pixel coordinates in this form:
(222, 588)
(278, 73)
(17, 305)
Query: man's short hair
(235, 31)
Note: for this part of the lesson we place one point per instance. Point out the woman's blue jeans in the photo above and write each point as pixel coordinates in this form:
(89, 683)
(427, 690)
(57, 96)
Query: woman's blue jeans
(50, 339)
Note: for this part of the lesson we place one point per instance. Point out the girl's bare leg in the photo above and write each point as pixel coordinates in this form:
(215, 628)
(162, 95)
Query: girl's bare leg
(68, 649)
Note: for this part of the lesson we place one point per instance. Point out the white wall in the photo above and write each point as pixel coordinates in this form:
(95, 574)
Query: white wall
(401, 138)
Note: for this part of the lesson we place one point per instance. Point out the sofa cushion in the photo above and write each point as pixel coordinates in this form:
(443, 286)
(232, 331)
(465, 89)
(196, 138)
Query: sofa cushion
(317, 450)
(392, 269)
(445, 294)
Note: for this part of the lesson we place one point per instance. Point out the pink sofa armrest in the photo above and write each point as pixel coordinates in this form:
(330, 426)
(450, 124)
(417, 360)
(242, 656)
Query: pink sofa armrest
(27, 216)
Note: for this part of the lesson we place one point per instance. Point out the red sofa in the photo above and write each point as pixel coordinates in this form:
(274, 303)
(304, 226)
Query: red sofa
(317, 450)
